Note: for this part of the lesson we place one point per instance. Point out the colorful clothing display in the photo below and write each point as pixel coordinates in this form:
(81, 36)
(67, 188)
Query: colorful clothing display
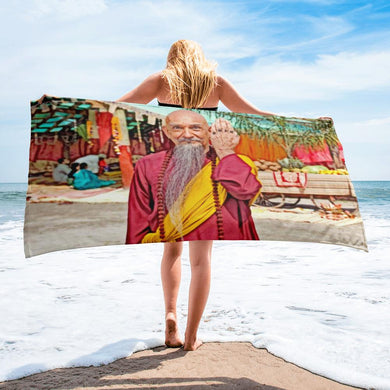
(103, 120)
(313, 156)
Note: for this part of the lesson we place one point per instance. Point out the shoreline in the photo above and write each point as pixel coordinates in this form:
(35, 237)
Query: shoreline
(228, 365)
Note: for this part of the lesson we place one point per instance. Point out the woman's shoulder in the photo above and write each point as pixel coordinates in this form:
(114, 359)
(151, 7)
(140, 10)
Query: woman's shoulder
(222, 83)
(220, 80)
(155, 78)
(151, 86)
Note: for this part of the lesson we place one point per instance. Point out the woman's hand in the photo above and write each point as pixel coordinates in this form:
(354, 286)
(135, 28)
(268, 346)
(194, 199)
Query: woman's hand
(327, 118)
(40, 101)
(223, 137)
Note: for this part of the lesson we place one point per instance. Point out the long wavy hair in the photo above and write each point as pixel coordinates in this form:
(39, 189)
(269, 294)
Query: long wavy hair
(190, 77)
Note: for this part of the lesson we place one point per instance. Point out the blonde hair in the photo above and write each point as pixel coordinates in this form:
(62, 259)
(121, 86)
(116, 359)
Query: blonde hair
(190, 77)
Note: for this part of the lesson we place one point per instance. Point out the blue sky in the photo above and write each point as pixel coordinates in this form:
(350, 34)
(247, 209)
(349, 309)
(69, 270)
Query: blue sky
(301, 58)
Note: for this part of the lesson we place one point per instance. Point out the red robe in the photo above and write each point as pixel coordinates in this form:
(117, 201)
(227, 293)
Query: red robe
(233, 173)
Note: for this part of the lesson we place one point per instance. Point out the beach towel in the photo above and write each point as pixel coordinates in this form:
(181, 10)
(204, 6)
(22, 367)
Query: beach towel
(168, 177)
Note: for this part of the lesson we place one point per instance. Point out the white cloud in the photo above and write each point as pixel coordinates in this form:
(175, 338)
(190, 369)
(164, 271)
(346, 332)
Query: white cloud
(125, 41)
(371, 131)
(63, 9)
(328, 77)
(328, 26)
(315, 2)
(375, 122)
(112, 51)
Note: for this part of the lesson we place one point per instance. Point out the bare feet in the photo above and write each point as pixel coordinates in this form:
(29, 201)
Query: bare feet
(172, 335)
(192, 345)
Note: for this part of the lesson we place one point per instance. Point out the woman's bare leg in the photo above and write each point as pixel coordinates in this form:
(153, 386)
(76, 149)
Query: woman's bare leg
(170, 277)
(200, 258)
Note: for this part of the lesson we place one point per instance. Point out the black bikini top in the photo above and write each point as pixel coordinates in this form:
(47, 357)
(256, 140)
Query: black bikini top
(178, 105)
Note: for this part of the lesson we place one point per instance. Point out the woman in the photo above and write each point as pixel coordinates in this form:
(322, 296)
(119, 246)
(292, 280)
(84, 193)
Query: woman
(74, 168)
(188, 81)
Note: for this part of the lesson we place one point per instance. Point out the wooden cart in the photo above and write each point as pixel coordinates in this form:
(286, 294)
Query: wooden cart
(318, 186)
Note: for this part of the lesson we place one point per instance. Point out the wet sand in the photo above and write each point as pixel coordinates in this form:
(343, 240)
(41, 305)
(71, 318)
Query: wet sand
(213, 366)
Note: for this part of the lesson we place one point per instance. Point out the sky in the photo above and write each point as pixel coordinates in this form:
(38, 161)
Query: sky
(306, 58)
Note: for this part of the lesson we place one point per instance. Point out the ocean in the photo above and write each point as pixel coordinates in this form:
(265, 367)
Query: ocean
(323, 307)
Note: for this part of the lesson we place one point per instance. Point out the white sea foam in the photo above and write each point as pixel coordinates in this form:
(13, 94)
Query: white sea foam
(323, 307)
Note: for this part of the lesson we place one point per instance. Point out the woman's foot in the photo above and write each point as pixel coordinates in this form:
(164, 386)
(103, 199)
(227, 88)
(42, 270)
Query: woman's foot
(191, 343)
(188, 346)
(172, 335)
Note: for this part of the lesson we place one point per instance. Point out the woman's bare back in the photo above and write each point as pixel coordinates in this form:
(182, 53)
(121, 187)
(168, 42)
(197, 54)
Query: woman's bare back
(163, 95)
(155, 86)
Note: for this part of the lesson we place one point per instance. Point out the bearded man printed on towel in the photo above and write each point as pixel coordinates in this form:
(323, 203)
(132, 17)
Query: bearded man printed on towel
(194, 191)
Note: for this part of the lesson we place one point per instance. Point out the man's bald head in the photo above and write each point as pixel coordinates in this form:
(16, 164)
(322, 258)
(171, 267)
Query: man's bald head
(181, 115)
(187, 126)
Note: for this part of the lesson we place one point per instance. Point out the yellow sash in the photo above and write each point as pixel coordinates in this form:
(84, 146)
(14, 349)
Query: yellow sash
(198, 205)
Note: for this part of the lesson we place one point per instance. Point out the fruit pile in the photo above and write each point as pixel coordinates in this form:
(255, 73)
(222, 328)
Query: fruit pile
(334, 171)
(295, 165)
(268, 166)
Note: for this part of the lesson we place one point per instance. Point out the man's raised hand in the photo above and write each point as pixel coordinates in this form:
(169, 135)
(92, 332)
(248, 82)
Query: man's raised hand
(223, 137)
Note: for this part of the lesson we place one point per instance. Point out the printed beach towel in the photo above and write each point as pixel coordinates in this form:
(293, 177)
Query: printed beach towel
(110, 173)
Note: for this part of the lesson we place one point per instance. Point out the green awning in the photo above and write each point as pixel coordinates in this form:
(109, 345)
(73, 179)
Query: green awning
(46, 125)
(56, 129)
(54, 119)
(39, 130)
(59, 113)
(66, 123)
(83, 106)
(66, 105)
(41, 116)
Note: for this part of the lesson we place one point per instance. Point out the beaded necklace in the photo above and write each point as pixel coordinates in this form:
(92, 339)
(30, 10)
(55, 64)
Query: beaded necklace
(160, 196)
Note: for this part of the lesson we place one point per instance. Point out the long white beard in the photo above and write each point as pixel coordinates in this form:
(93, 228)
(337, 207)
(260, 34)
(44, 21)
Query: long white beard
(187, 160)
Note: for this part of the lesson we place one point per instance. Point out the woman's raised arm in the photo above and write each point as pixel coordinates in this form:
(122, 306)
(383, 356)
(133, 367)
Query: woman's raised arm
(145, 92)
(234, 101)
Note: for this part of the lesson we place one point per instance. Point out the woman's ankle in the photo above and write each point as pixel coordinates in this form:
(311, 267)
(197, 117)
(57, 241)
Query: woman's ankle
(170, 315)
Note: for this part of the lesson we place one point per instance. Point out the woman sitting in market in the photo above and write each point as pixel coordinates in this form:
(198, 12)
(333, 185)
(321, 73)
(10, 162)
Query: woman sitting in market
(84, 179)
(74, 168)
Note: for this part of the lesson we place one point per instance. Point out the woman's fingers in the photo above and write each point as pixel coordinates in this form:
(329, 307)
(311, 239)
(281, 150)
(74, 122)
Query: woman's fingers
(326, 118)
(40, 100)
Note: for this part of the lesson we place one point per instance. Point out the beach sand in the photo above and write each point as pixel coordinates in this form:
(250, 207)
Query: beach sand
(55, 226)
(59, 226)
(214, 365)
(231, 365)
(271, 229)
